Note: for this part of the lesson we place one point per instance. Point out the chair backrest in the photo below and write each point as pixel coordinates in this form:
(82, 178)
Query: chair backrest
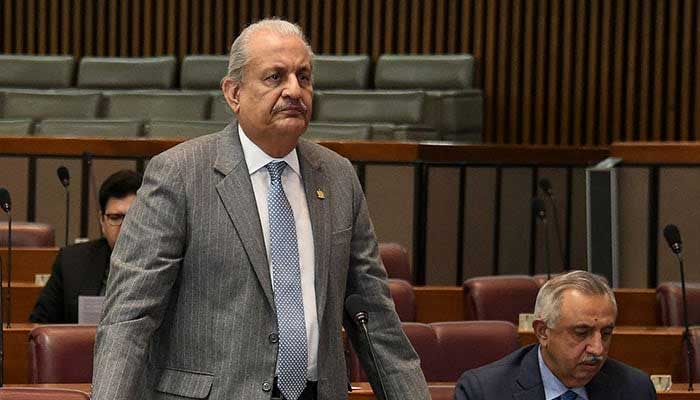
(43, 104)
(500, 298)
(164, 105)
(471, 344)
(91, 127)
(447, 349)
(35, 393)
(395, 260)
(39, 72)
(203, 72)
(404, 299)
(425, 342)
(16, 127)
(182, 129)
(337, 131)
(28, 234)
(434, 72)
(369, 106)
(341, 72)
(669, 300)
(127, 73)
(220, 110)
(61, 353)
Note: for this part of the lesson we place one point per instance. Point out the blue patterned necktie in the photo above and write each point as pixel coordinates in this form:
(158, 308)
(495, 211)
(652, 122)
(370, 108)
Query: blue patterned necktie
(569, 395)
(292, 357)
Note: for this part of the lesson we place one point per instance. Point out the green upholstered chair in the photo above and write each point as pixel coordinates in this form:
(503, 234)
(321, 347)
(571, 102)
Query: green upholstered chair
(38, 72)
(127, 72)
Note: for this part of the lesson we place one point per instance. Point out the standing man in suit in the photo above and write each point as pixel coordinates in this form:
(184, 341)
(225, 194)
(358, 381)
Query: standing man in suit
(575, 316)
(82, 269)
(231, 274)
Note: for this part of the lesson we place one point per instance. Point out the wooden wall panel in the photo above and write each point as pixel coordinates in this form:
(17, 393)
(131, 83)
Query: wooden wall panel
(554, 72)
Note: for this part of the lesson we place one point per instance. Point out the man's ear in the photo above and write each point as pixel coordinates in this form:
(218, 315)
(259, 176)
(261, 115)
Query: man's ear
(231, 91)
(541, 332)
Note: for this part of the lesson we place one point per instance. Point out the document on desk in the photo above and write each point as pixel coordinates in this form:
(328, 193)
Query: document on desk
(90, 309)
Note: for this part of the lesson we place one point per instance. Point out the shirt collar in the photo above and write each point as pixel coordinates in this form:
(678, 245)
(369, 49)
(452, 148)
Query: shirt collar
(256, 158)
(553, 388)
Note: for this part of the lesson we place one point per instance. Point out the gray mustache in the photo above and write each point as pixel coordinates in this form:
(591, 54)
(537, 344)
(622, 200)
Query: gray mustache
(593, 359)
(290, 104)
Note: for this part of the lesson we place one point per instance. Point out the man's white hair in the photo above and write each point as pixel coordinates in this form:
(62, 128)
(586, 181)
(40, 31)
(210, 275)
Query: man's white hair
(548, 303)
(238, 57)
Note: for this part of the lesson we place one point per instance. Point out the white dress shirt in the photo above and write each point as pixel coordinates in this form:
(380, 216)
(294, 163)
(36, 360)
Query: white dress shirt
(256, 160)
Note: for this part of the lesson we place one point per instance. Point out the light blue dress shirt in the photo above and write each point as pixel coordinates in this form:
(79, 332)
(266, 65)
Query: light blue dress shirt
(553, 388)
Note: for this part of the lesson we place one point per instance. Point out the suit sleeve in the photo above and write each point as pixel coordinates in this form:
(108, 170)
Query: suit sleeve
(49, 307)
(468, 387)
(145, 264)
(398, 361)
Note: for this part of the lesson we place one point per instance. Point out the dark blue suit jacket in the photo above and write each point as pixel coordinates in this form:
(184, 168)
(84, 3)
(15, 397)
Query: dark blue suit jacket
(517, 376)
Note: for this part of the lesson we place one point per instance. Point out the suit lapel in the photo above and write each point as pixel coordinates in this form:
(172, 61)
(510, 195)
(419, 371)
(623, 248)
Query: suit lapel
(236, 193)
(529, 381)
(600, 388)
(315, 180)
(94, 272)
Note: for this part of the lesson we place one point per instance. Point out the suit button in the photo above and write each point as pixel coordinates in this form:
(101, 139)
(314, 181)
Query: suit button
(266, 387)
(274, 338)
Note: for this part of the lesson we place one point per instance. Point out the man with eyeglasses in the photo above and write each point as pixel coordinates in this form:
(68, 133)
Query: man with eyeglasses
(82, 269)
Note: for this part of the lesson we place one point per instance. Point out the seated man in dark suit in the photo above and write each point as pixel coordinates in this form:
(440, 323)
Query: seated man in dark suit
(81, 269)
(575, 316)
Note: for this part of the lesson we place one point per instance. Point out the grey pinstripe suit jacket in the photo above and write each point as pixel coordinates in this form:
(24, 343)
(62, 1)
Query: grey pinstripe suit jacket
(189, 308)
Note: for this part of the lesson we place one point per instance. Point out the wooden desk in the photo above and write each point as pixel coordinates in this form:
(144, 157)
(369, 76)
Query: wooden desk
(28, 261)
(636, 307)
(438, 391)
(16, 348)
(24, 297)
(439, 303)
(655, 350)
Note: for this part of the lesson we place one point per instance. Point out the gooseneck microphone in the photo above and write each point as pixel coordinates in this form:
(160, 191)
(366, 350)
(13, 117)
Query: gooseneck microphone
(64, 178)
(357, 309)
(673, 238)
(546, 187)
(540, 212)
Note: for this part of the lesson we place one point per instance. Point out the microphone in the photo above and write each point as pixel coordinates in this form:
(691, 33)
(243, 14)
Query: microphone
(64, 178)
(357, 309)
(673, 238)
(5, 202)
(540, 211)
(546, 187)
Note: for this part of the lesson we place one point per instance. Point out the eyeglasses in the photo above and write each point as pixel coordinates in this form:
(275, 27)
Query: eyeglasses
(114, 219)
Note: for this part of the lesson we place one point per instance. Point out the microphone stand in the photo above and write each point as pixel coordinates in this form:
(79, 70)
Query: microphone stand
(541, 215)
(686, 333)
(361, 318)
(9, 269)
(2, 336)
(550, 196)
(67, 215)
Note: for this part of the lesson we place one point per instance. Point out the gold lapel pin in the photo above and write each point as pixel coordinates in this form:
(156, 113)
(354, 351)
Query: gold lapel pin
(320, 194)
